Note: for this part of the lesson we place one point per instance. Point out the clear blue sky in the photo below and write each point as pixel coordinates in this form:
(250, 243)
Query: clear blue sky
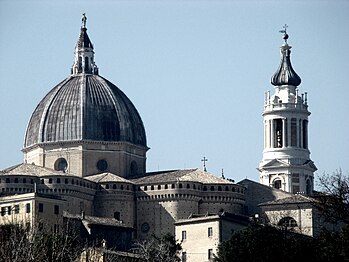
(196, 71)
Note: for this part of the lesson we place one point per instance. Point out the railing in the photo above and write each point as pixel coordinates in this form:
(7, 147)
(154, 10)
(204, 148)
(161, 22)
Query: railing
(281, 106)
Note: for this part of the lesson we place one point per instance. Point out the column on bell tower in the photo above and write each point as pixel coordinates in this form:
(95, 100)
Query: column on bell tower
(286, 162)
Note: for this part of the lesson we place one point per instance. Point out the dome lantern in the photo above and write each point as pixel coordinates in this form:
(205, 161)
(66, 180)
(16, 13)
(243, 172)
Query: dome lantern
(84, 54)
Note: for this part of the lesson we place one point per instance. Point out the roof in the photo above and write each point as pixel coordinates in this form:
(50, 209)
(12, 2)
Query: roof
(190, 175)
(32, 170)
(200, 218)
(107, 177)
(295, 199)
(85, 107)
(285, 75)
(92, 220)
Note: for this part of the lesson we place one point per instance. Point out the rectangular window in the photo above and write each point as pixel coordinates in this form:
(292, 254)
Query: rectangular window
(210, 254)
(27, 208)
(184, 256)
(9, 210)
(56, 209)
(3, 211)
(16, 209)
(41, 207)
(184, 235)
(210, 232)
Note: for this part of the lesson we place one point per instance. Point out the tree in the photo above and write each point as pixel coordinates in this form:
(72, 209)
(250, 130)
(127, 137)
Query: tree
(333, 201)
(265, 243)
(160, 249)
(21, 244)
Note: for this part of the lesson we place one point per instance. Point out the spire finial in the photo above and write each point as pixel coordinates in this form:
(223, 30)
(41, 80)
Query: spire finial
(284, 31)
(83, 19)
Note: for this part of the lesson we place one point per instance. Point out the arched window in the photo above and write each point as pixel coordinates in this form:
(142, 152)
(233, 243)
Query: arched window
(287, 222)
(61, 164)
(134, 168)
(87, 69)
(102, 165)
(277, 183)
(308, 187)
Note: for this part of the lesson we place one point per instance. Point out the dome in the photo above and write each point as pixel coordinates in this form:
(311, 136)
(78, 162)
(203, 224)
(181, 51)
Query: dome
(85, 107)
(285, 74)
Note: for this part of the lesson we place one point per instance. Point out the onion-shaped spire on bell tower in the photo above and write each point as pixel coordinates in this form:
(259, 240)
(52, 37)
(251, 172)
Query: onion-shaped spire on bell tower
(84, 54)
(285, 75)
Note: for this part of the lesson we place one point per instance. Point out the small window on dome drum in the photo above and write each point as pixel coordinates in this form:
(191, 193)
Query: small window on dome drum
(61, 164)
(134, 168)
(102, 165)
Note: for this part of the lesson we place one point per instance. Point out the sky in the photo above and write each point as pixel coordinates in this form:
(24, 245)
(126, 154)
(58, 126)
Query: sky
(195, 70)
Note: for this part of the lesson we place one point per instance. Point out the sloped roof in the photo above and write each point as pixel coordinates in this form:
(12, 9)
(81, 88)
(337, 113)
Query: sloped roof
(107, 177)
(92, 220)
(192, 175)
(32, 170)
(290, 200)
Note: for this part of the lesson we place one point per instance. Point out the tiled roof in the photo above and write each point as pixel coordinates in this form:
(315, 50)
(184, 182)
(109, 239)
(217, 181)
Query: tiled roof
(32, 170)
(192, 175)
(107, 177)
(92, 220)
(290, 200)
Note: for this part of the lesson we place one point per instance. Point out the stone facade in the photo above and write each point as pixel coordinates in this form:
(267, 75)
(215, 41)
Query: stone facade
(201, 235)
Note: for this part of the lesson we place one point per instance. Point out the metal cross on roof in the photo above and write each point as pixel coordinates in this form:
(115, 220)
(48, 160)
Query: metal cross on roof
(284, 31)
(204, 160)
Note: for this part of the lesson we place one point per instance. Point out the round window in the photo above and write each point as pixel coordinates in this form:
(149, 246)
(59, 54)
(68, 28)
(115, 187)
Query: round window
(145, 227)
(61, 164)
(102, 165)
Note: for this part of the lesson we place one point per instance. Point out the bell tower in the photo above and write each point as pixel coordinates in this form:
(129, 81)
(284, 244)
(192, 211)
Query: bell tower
(286, 162)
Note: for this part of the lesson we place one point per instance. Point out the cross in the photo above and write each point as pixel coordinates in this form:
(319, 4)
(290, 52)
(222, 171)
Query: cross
(83, 19)
(284, 31)
(204, 160)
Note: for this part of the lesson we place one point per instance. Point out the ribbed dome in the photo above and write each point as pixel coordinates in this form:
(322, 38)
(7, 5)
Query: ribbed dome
(85, 107)
(285, 75)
